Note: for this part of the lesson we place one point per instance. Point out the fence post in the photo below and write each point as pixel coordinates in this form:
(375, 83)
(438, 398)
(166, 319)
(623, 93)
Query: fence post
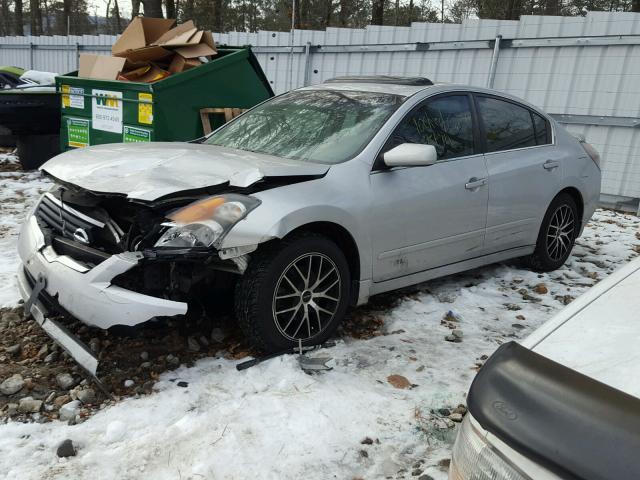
(307, 64)
(494, 61)
(77, 56)
(31, 56)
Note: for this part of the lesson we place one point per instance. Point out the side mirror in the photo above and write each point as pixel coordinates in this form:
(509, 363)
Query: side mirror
(410, 154)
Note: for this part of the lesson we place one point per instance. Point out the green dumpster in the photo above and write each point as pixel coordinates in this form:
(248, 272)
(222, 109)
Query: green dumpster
(173, 109)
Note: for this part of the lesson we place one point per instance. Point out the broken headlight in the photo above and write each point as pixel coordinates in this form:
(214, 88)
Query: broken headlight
(205, 223)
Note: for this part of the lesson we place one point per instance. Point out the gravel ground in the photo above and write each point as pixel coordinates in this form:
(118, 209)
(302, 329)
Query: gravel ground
(178, 409)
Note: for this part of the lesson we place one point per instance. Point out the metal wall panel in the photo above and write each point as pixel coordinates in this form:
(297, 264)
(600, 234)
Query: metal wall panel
(570, 66)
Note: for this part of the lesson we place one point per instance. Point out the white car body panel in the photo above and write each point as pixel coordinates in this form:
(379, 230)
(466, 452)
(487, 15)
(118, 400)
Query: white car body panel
(148, 172)
(597, 335)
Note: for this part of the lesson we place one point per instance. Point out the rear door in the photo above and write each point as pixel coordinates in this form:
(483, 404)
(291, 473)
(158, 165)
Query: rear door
(428, 216)
(525, 171)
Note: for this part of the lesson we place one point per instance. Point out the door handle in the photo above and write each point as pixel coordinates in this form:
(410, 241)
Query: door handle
(550, 164)
(475, 182)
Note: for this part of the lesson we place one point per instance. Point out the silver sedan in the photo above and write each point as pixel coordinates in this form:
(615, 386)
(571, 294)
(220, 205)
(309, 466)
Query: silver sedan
(305, 205)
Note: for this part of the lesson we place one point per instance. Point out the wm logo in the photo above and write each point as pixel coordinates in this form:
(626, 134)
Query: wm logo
(106, 101)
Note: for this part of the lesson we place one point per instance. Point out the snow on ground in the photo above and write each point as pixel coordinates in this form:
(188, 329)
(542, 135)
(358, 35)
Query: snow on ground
(273, 421)
(18, 192)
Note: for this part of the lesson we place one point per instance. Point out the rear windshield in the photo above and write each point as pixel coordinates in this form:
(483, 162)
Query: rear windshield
(325, 126)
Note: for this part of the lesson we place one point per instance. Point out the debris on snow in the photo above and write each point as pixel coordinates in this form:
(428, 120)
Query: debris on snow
(398, 381)
(66, 449)
(541, 289)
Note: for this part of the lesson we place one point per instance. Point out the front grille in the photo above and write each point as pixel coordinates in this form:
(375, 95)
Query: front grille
(65, 221)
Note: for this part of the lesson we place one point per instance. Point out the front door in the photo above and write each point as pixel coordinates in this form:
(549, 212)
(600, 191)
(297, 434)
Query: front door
(428, 216)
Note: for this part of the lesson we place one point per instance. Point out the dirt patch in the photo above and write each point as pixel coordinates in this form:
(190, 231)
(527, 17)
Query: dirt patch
(131, 359)
(9, 163)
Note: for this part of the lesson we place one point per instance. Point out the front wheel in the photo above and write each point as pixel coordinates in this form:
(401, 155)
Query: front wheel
(557, 235)
(295, 290)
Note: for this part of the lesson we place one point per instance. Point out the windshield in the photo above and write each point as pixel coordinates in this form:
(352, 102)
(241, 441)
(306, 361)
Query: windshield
(325, 126)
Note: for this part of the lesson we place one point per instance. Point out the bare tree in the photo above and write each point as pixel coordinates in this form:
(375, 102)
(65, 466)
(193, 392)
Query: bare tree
(345, 12)
(328, 14)
(17, 17)
(377, 12)
(635, 6)
(513, 9)
(153, 8)
(4, 18)
(552, 7)
(46, 22)
(300, 14)
(35, 17)
(116, 16)
(170, 7)
(218, 16)
(66, 16)
(106, 15)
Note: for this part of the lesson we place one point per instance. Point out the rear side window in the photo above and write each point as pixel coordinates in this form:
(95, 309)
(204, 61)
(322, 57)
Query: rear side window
(541, 129)
(444, 122)
(507, 125)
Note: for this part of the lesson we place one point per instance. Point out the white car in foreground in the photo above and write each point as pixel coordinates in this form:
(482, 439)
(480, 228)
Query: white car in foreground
(564, 404)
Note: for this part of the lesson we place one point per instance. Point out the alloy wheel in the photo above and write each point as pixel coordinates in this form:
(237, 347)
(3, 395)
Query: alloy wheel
(306, 296)
(560, 232)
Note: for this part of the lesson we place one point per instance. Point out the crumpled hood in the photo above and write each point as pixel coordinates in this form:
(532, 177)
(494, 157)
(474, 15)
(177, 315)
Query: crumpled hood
(150, 171)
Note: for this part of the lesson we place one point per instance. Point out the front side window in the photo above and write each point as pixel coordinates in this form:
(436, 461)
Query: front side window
(445, 122)
(507, 125)
(325, 126)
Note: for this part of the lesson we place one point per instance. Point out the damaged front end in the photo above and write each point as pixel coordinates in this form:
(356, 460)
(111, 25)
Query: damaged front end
(107, 260)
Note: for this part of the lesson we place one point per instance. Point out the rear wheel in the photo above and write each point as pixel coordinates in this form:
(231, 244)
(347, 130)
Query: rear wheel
(292, 291)
(557, 234)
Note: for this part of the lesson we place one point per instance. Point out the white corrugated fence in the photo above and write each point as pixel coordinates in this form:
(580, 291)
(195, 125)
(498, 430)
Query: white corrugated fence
(583, 70)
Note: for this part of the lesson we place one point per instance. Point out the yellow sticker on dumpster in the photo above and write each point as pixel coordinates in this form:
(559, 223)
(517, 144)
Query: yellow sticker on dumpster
(145, 108)
(72, 97)
(66, 100)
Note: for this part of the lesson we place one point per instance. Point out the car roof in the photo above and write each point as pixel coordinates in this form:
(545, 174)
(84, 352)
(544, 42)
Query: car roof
(599, 332)
(369, 86)
(408, 90)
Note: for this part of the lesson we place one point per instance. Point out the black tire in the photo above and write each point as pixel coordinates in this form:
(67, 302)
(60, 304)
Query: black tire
(34, 150)
(552, 248)
(256, 305)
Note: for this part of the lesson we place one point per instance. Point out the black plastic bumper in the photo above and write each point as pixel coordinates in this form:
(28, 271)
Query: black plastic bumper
(569, 423)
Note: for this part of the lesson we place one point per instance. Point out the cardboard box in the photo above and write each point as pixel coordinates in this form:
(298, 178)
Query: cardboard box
(180, 36)
(149, 74)
(136, 41)
(204, 48)
(100, 66)
(149, 50)
(180, 64)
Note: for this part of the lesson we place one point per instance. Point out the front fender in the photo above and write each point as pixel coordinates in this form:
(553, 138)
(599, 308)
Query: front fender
(286, 209)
